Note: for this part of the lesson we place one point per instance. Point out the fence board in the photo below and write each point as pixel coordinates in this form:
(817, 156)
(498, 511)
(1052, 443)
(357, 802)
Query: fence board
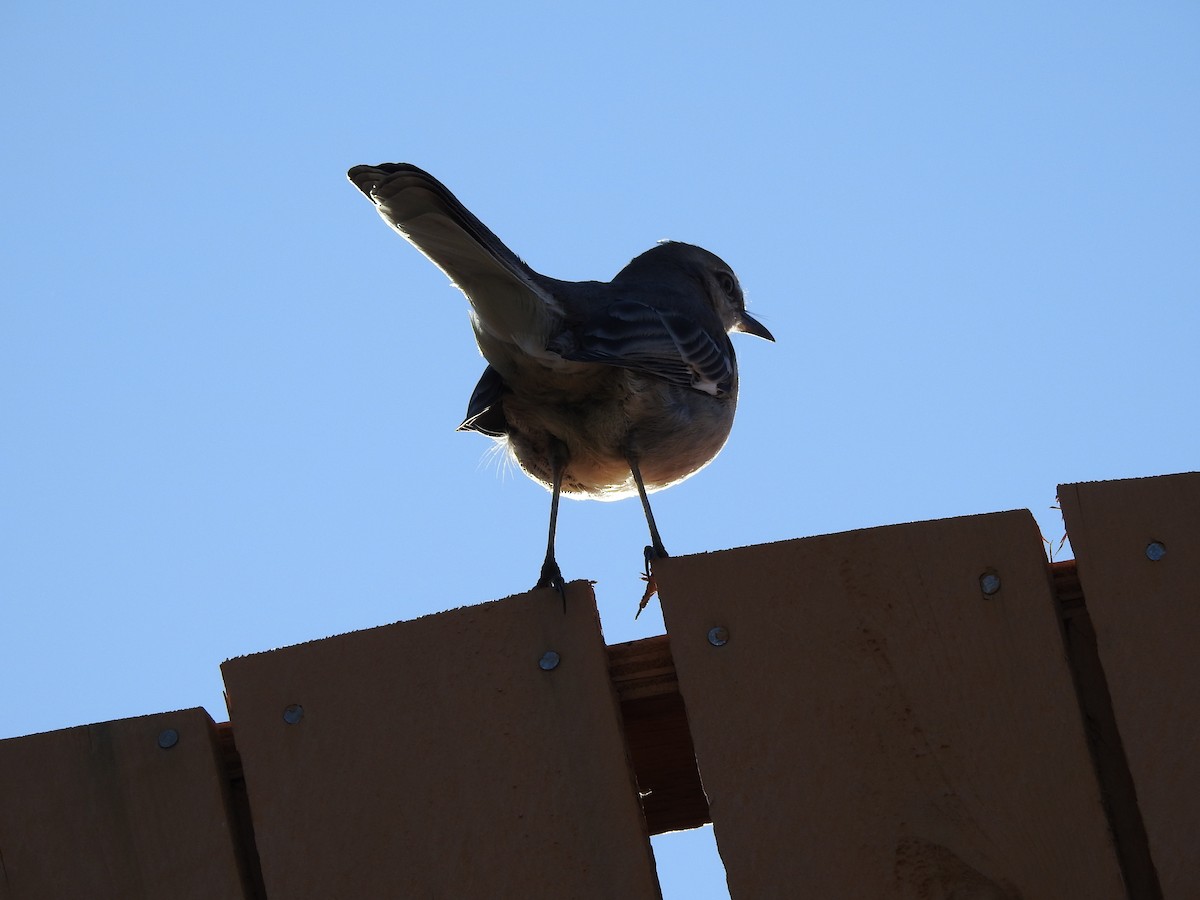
(1146, 615)
(103, 811)
(877, 726)
(435, 758)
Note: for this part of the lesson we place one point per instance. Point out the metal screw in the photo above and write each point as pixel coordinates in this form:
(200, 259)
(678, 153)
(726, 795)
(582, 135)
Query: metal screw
(718, 636)
(168, 738)
(293, 714)
(989, 582)
(549, 661)
(1155, 550)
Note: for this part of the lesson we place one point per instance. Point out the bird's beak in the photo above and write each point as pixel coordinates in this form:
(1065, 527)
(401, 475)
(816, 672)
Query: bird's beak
(750, 325)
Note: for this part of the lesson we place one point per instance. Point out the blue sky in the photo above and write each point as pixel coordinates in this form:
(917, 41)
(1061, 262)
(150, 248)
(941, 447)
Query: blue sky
(230, 392)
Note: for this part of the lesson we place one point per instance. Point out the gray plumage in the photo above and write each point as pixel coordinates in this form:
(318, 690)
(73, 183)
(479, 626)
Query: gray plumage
(600, 389)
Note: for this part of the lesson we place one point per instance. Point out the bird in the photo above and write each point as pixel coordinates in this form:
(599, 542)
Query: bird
(597, 389)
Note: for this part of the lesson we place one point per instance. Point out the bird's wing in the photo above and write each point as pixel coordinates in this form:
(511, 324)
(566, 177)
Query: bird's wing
(510, 301)
(660, 342)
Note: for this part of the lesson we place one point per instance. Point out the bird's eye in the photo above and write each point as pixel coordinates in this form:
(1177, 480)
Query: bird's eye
(728, 285)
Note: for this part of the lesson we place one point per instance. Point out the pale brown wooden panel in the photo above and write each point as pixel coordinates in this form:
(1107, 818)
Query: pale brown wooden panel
(1146, 615)
(876, 726)
(436, 758)
(104, 811)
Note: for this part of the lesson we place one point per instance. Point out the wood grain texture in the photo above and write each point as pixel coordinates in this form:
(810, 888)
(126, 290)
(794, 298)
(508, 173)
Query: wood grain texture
(1146, 616)
(435, 758)
(877, 726)
(102, 811)
(656, 731)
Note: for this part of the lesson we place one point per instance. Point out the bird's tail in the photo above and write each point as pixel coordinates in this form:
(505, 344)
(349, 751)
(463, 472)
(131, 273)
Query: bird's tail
(510, 300)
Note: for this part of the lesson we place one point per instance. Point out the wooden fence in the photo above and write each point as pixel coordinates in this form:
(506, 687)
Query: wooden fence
(927, 710)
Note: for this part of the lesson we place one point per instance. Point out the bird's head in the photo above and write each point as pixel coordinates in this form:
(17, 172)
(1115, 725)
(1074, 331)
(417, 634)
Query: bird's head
(720, 284)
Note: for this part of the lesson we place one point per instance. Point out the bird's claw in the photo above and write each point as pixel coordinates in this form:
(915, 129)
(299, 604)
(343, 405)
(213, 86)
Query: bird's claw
(651, 554)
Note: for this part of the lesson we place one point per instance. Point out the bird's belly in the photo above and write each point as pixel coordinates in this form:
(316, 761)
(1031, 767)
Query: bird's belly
(673, 431)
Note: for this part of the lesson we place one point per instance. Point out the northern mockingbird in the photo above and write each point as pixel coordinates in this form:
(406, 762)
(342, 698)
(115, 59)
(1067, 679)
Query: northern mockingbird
(598, 389)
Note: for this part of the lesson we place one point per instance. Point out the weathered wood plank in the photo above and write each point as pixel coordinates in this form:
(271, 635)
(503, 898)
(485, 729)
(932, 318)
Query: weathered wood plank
(1144, 603)
(877, 725)
(135, 808)
(437, 758)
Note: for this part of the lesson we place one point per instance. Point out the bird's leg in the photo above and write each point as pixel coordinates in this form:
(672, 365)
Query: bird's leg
(551, 574)
(655, 550)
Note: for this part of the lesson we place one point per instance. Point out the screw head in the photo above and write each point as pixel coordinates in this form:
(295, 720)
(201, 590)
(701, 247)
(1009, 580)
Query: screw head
(549, 661)
(1156, 550)
(293, 714)
(718, 636)
(989, 583)
(168, 738)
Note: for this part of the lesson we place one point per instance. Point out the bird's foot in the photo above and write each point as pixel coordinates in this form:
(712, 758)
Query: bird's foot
(552, 577)
(650, 554)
